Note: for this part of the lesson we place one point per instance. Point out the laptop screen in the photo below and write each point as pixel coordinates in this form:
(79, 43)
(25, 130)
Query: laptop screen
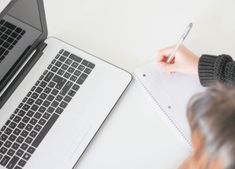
(20, 27)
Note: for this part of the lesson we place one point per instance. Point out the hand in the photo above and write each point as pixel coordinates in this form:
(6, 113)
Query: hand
(184, 62)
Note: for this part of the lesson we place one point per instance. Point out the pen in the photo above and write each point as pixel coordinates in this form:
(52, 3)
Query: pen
(183, 36)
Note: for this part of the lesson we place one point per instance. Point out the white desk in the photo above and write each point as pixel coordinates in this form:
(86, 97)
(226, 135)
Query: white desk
(128, 33)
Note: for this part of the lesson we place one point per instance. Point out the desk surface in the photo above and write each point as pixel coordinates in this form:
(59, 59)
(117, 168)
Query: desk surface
(129, 33)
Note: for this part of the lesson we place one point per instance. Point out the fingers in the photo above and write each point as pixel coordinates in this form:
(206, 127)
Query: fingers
(164, 53)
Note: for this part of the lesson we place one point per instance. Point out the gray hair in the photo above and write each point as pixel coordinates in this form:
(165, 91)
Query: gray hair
(212, 113)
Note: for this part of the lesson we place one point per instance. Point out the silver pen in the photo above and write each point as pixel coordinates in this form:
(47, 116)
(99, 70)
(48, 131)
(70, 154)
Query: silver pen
(183, 36)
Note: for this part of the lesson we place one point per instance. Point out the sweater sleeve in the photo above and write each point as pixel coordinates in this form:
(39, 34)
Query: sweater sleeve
(213, 69)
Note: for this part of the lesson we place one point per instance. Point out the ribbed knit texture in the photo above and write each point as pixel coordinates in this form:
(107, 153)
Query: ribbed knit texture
(213, 69)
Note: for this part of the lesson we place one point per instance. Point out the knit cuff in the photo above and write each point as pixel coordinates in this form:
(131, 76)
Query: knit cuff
(211, 68)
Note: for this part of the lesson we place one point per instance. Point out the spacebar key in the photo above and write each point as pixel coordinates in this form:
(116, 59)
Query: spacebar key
(45, 130)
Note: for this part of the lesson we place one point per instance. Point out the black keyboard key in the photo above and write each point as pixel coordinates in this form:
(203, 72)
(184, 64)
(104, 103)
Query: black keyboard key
(13, 125)
(10, 40)
(75, 58)
(12, 162)
(88, 64)
(30, 113)
(28, 140)
(66, 53)
(71, 93)
(77, 73)
(61, 51)
(74, 65)
(35, 96)
(37, 115)
(81, 67)
(42, 122)
(67, 75)
(6, 45)
(66, 88)
(16, 131)
(8, 131)
(43, 96)
(21, 113)
(24, 133)
(38, 127)
(2, 50)
(20, 139)
(30, 101)
(5, 160)
(75, 87)
(24, 146)
(73, 78)
(31, 150)
(29, 127)
(26, 107)
(59, 98)
(42, 109)
(45, 130)
(14, 35)
(71, 70)
(64, 67)
(25, 119)
(8, 144)
(49, 76)
(15, 146)
(18, 30)
(45, 116)
(54, 69)
(54, 92)
(10, 152)
(43, 84)
(58, 63)
(33, 121)
(39, 102)
(34, 107)
(59, 110)
(87, 71)
(60, 72)
(26, 156)
(21, 125)
(22, 163)
(50, 110)
(20, 152)
(63, 104)
(68, 61)
(50, 97)
(62, 58)
(46, 103)
(12, 138)
(67, 99)
(33, 134)
(38, 90)
(60, 81)
(82, 78)
(3, 150)
(55, 104)
(9, 25)
(17, 119)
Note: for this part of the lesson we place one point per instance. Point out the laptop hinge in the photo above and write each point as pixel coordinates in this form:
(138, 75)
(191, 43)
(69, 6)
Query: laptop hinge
(20, 75)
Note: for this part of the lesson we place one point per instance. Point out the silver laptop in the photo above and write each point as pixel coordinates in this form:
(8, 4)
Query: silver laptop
(53, 96)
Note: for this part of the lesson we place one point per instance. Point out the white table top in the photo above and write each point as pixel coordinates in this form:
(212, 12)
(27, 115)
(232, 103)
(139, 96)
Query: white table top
(129, 33)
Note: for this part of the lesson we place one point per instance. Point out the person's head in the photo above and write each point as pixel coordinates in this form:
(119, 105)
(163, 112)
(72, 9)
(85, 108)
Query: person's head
(211, 115)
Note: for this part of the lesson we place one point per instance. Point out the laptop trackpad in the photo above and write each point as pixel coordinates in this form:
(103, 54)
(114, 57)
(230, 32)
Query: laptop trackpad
(75, 146)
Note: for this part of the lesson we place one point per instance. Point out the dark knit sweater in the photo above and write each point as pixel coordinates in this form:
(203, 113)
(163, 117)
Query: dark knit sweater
(213, 69)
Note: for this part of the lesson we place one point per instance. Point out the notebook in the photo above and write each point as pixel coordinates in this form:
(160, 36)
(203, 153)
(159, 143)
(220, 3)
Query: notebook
(171, 93)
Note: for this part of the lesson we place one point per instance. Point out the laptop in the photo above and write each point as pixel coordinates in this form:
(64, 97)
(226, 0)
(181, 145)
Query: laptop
(54, 97)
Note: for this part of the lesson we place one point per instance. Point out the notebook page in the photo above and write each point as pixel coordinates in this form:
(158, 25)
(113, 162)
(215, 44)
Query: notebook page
(171, 92)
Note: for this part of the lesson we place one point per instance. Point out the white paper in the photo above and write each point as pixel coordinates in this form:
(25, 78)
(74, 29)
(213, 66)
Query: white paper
(171, 92)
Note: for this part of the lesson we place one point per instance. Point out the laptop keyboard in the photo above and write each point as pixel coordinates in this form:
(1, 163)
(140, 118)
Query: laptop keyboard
(39, 110)
(9, 36)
